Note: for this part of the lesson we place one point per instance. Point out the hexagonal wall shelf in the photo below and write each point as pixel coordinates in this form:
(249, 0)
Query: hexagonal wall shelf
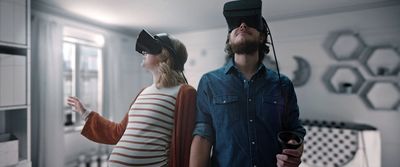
(343, 79)
(382, 60)
(381, 95)
(345, 45)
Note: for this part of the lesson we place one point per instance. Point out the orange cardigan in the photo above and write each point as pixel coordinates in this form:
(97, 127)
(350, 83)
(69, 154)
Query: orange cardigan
(101, 130)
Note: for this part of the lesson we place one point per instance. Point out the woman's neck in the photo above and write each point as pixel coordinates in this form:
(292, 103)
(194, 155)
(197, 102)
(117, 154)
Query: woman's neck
(156, 76)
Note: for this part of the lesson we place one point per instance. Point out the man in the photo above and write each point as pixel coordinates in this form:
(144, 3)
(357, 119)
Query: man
(242, 106)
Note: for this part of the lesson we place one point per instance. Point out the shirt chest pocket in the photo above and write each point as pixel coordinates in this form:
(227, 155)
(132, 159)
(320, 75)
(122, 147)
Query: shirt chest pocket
(226, 109)
(271, 110)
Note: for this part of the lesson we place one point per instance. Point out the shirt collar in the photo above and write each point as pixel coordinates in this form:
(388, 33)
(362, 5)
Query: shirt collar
(230, 65)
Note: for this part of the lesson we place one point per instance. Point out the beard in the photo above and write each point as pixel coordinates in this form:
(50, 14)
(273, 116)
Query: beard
(244, 47)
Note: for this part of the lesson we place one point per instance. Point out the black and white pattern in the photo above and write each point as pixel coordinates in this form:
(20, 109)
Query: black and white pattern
(330, 144)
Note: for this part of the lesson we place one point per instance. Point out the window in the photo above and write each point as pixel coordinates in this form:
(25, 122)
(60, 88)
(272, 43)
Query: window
(82, 76)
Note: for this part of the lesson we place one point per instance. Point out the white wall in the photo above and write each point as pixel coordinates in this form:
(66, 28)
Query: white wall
(305, 37)
(206, 52)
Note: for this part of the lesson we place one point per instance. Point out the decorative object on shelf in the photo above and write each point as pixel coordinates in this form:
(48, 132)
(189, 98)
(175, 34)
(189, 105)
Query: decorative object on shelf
(382, 95)
(344, 45)
(382, 60)
(343, 79)
(302, 73)
(8, 149)
(70, 118)
(346, 87)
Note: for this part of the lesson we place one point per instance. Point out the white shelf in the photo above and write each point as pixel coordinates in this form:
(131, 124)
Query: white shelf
(17, 107)
(14, 45)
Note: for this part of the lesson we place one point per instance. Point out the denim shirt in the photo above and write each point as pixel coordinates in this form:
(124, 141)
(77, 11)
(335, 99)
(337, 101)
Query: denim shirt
(241, 118)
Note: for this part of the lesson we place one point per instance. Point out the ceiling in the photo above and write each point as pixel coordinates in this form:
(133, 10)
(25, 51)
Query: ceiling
(175, 16)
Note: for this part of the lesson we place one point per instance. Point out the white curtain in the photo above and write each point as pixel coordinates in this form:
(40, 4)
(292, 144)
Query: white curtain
(112, 83)
(47, 101)
(124, 76)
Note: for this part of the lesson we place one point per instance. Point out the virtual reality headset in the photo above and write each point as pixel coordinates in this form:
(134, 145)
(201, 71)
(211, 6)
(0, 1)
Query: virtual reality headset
(247, 11)
(147, 43)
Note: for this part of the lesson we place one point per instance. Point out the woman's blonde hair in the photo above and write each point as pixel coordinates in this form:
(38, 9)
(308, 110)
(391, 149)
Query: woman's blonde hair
(168, 76)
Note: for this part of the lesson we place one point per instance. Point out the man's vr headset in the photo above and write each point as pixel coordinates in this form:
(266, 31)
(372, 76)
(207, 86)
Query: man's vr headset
(249, 12)
(147, 43)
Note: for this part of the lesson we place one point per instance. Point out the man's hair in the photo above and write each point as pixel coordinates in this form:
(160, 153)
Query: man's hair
(168, 76)
(263, 49)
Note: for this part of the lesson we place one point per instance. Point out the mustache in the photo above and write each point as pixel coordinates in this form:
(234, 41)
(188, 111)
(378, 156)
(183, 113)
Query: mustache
(242, 31)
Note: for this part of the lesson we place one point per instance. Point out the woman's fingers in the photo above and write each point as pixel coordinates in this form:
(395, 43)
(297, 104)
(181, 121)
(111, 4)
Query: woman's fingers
(71, 102)
(75, 102)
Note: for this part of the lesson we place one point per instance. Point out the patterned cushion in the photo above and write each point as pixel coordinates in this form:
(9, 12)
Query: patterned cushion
(330, 144)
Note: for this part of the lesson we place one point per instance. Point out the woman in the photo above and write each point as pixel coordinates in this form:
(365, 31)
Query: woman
(157, 130)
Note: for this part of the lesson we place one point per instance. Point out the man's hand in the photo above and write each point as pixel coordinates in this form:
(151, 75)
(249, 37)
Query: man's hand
(289, 157)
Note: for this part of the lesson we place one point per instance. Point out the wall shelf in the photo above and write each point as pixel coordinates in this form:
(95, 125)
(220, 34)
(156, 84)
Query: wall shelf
(344, 45)
(13, 45)
(17, 107)
(382, 60)
(381, 95)
(343, 79)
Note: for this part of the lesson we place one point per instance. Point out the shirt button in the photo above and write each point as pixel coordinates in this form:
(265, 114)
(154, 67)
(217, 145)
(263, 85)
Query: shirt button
(249, 99)
(253, 142)
(251, 120)
(224, 101)
(244, 81)
(255, 166)
(274, 102)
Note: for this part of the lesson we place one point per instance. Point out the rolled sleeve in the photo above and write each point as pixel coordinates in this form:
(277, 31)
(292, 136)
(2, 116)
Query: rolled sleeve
(204, 123)
(204, 130)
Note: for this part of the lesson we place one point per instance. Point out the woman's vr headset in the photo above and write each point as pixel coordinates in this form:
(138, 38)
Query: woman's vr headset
(147, 43)
(249, 12)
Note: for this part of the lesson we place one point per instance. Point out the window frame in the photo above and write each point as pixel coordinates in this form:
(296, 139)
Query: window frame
(76, 86)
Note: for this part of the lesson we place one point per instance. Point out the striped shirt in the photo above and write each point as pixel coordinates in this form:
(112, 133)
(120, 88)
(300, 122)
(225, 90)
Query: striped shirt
(146, 139)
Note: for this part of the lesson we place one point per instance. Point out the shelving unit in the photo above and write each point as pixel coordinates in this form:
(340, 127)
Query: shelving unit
(15, 58)
(380, 90)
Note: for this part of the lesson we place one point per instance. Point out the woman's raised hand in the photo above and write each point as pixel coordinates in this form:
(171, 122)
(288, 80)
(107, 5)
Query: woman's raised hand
(76, 105)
